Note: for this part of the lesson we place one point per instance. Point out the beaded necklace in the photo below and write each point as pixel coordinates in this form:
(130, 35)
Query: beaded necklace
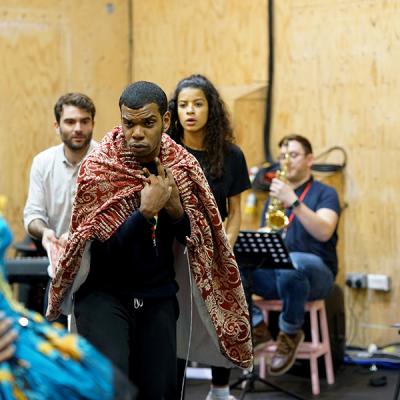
(153, 233)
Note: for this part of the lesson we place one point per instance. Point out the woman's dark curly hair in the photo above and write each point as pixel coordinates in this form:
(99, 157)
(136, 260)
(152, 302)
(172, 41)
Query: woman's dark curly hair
(218, 129)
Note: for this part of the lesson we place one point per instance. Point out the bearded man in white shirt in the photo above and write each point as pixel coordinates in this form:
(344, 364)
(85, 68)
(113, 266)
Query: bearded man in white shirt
(54, 172)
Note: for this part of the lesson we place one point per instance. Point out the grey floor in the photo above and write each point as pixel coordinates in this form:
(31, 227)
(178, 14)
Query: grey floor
(351, 383)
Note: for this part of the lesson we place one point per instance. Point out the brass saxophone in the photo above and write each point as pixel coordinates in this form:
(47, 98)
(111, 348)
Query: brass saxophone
(275, 218)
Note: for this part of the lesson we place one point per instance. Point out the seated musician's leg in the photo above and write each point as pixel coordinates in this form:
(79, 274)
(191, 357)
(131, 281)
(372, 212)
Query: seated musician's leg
(310, 280)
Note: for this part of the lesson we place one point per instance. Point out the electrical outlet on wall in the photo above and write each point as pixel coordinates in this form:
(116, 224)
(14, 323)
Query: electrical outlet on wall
(356, 280)
(378, 282)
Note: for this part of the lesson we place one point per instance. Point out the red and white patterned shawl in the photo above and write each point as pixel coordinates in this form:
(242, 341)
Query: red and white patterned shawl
(108, 190)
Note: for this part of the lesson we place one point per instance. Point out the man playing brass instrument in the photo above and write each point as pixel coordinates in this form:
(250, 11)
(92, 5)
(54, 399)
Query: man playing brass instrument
(313, 212)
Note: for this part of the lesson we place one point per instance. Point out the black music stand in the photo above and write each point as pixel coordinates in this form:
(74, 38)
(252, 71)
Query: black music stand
(253, 250)
(257, 249)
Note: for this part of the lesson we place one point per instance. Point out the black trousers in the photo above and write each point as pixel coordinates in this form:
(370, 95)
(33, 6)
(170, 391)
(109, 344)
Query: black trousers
(140, 341)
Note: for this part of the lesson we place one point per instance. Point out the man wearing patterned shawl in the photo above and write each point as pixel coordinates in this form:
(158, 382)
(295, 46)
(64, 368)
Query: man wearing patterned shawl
(137, 193)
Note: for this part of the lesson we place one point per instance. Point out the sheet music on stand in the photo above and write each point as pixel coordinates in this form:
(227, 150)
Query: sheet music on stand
(262, 250)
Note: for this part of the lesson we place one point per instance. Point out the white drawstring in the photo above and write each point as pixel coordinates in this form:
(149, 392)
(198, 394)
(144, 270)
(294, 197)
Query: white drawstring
(137, 303)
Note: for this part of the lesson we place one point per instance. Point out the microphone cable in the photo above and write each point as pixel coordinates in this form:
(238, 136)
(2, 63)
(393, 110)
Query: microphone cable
(329, 167)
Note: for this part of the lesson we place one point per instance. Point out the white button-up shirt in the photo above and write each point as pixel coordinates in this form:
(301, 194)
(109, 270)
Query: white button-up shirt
(52, 189)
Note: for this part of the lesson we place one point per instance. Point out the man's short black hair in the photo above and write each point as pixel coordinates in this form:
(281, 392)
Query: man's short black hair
(140, 93)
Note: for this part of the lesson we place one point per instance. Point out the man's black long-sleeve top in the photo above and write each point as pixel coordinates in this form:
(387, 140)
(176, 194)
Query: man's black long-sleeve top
(129, 263)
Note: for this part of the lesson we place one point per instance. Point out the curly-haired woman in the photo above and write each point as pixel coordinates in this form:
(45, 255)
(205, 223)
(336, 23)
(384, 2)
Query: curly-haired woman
(200, 122)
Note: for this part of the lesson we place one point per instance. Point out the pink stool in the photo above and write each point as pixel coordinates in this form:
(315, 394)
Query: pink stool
(307, 350)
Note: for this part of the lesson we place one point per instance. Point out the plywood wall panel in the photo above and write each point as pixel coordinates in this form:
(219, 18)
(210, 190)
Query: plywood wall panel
(49, 48)
(337, 84)
(31, 69)
(224, 39)
(98, 54)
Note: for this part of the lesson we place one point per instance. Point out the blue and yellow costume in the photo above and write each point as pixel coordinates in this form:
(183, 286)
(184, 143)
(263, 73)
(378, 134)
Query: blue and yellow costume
(49, 362)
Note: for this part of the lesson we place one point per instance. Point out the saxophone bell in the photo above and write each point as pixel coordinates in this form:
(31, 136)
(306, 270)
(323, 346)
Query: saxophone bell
(275, 218)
